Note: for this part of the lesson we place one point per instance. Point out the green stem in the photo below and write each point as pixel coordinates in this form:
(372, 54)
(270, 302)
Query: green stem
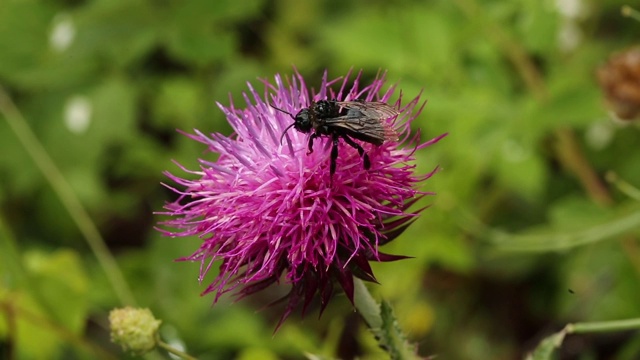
(173, 350)
(626, 188)
(383, 325)
(67, 196)
(604, 326)
(570, 154)
(366, 305)
(548, 345)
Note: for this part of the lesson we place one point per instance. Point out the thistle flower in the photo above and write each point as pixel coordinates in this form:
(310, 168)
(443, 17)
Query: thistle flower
(269, 211)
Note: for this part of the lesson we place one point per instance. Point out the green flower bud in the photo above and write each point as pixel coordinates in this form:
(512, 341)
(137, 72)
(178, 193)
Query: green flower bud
(134, 329)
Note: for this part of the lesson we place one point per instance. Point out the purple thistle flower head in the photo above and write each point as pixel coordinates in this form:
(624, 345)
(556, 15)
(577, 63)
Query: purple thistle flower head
(269, 211)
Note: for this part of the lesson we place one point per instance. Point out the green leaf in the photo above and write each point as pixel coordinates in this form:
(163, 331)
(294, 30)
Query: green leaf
(198, 34)
(555, 239)
(79, 127)
(538, 26)
(23, 35)
(62, 279)
(178, 104)
(200, 45)
(28, 58)
(547, 346)
(61, 287)
(18, 173)
(116, 32)
(521, 169)
(395, 38)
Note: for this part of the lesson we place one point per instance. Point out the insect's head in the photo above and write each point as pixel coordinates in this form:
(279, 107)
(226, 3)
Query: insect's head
(301, 121)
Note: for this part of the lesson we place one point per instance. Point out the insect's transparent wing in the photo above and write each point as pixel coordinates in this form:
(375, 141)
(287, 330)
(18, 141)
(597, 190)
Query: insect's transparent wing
(366, 120)
(371, 109)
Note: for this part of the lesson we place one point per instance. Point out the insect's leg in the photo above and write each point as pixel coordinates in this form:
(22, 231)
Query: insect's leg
(363, 154)
(311, 138)
(334, 154)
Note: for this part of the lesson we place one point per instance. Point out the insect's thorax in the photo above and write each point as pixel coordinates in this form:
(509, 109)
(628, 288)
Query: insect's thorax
(325, 109)
(322, 110)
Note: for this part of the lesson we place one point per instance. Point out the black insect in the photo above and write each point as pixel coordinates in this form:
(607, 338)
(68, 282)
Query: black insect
(361, 120)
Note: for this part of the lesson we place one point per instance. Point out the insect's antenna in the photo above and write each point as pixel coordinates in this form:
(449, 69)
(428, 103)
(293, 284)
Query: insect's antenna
(285, 131)
(288, 127)
(286, 112)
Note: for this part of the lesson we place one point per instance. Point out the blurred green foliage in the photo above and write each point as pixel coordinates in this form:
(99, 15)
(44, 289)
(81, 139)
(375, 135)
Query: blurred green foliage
(104, 84)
